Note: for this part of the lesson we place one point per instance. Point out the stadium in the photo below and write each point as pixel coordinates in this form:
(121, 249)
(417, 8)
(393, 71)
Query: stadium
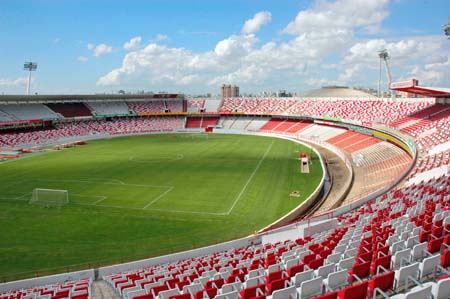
(337, 193)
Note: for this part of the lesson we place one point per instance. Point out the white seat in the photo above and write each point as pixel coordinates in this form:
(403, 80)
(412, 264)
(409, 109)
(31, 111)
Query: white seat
(402, 274)
(254, 281)
(323, 271)
(429, 265)
(334, 258)
(310, 288)
(418, 251)
(411, 241)
(337, 279)
(229, 295)
(136, 293)
(441, 289)
(167, 293)
(255, 273)
(346, 263)
(292, 262)
(192, 288)
(286, 293)
(126, 291)
(401, 257)
(419, 292)
(230, 287)
(301, 277)
(273, 268)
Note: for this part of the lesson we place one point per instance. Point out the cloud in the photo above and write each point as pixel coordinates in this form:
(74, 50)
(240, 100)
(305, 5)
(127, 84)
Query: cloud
(82, 59)
(21, 81)
(320, 47)
(254, 24)
(161, 37)
(133, 44)
(99, 50)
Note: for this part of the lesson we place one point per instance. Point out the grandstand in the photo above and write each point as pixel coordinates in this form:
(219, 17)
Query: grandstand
(387, 235)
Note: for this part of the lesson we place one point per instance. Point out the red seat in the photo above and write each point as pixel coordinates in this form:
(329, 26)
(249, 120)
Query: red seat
(361, 270)
(277, 285)
(384, 261)
(295, 269)
(252, 291)
(435, 245)
(212, 292)
(274, 276)
(383, 282)
(218, 283)
(309, 257)
(181, 296)
(314, 264)
(145, 296)
(332, 295)
(445, 258)
(356, 291)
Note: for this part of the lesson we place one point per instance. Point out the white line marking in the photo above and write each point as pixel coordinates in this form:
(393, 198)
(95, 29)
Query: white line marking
(250, 179)
(178, 157)
(105, 183)
(158, 198)
(101, 198)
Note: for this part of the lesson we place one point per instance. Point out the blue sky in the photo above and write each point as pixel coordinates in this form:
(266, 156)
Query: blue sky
(195, 46)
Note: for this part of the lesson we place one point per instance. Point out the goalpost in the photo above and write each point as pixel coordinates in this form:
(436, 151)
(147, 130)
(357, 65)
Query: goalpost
(49, 197)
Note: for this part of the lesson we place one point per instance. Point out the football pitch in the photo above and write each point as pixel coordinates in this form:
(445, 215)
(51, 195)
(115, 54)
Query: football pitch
(141, 196)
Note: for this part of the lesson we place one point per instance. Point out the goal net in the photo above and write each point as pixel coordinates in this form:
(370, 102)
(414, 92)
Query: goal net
(49, 197)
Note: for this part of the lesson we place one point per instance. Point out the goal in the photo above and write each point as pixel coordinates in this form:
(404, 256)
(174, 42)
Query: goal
(50, 197)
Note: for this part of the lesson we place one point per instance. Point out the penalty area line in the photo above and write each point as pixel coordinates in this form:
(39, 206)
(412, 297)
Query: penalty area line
(158, 198)
(250, 179)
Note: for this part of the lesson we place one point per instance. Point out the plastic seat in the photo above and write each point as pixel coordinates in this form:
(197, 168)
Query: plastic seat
(337, 279)
(383, 282)
(310, 288)
(356, 291)
(429, 265)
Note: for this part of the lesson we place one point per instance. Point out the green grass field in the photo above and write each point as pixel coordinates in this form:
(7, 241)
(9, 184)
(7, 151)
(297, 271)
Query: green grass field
(141, 196)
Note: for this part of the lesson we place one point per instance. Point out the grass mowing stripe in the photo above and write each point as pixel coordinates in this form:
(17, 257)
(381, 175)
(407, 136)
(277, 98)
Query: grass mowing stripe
(250, 179)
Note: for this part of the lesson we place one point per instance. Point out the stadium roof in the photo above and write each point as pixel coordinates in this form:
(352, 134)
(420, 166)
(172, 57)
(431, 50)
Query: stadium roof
(412, 86)
(338, 91)
(84, 98)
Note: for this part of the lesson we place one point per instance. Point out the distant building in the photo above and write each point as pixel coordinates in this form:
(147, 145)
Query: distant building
(229, 91)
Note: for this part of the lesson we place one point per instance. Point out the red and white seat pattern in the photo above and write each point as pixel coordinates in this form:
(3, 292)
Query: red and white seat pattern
(147, 107)
(92, 127)
(80, 289)
(376, 247)
(365, 110)
(196, 103)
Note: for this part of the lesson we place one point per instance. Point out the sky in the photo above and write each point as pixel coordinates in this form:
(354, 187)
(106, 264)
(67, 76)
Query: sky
(195, 46)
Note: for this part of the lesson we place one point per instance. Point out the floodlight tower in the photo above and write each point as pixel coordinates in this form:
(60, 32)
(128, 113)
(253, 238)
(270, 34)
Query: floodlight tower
(384, 57)
(447, 30)
(30, 67)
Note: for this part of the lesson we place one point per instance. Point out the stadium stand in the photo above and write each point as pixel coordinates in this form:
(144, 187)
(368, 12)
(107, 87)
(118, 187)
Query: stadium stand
(29, 111)
(70, 110)
(374, 250)
(92, 127)
(174, 106)
(80, 289)
(394, 245)
(4, 117)
(147, 107)
(197, 103)
(354, 108)
(108, 108)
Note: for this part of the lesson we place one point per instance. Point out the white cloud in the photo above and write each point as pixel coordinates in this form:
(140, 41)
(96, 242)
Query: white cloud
(133, 44)
(328, 31)
(254, 24)
(161, 37)
(98, 50)
(82, 59)
(21, 81)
